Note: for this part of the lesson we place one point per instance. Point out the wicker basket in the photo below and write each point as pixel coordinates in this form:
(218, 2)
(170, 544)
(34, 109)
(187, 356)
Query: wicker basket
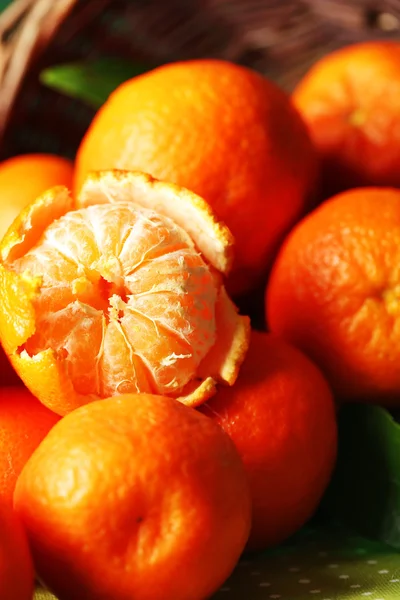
(279, 38)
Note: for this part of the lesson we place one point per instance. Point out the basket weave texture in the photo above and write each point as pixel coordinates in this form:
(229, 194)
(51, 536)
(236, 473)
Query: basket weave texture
(279, 38)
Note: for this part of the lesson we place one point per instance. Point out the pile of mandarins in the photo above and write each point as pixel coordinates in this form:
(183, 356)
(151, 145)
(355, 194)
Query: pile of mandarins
(148, 435)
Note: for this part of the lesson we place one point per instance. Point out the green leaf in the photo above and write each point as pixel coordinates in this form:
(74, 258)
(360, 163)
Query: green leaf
(92, 81)
(365, 489)
(4, 4)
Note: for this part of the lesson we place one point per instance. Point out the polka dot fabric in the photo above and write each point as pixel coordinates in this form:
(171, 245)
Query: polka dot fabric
(316, 565)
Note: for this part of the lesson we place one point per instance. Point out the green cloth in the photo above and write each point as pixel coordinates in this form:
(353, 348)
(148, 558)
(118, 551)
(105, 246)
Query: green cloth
(316, 565)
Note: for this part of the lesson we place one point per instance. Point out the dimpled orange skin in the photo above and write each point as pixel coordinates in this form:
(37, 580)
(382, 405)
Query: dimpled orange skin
(23, 178)
(280, 415)
(16, 569)
(349, 100)
(334, 292)
(135, 496)
(24, 422)
(222, 131)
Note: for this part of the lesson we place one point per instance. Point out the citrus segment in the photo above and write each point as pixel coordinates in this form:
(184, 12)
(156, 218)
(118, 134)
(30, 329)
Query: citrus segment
(120, 295)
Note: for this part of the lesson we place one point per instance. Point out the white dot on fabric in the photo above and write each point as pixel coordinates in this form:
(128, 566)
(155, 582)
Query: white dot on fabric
(372, 562)
(383, 572)
(304, 581)
(367, 594)
(394, 581)
(344, 577)
(355, 586)
(264, 584)
(333, 566)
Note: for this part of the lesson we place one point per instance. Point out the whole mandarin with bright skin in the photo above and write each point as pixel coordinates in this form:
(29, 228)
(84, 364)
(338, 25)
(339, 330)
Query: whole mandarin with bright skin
(349, 100)
(136, 496)
(16, 569)
(223, 131)
(23, 178)
(119, 290)
(334, 292)
(24, 422)
(280, 414)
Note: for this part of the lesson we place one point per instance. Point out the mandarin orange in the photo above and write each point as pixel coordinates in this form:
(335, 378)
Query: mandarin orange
(335, 292)
(24, 422)
(349, 100)
(280, 415)
(119, 291)
(222, 131)
(16, 569)
(23, 178)
(135, 496)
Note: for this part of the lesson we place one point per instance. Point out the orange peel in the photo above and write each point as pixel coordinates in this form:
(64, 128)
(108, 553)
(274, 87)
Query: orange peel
(118, 291)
